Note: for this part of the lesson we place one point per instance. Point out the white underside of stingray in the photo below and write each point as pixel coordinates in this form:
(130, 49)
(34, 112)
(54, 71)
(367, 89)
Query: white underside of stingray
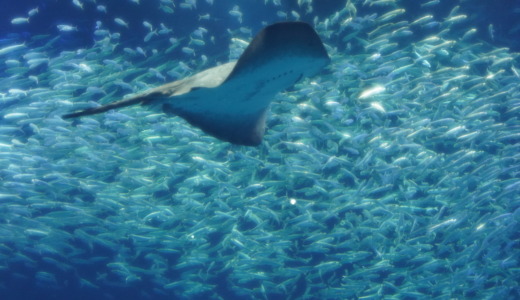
(230, 101)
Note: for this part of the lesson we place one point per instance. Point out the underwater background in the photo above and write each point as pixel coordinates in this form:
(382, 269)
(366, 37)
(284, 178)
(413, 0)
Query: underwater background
(393, 174)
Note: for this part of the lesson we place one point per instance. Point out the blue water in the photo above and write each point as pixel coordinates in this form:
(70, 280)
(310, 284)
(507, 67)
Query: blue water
(392, 174)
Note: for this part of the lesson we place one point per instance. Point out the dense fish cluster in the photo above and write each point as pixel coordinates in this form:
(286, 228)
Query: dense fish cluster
(393, 174)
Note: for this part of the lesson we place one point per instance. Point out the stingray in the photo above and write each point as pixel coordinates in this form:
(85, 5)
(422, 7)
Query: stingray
(230, 101)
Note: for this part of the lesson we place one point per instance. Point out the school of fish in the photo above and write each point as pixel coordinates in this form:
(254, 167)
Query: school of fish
(393, 174)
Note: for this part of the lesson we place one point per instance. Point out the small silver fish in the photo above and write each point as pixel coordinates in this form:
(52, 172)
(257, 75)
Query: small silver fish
(66, 28)
(121, 22)
(18, 21)
(33, 12)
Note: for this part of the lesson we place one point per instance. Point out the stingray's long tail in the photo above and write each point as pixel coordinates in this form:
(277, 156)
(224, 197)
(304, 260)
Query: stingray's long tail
(138, 99)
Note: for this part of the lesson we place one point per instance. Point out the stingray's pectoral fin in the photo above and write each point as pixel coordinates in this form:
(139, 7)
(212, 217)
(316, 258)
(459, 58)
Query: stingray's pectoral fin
(245, 130)
(138, 99)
